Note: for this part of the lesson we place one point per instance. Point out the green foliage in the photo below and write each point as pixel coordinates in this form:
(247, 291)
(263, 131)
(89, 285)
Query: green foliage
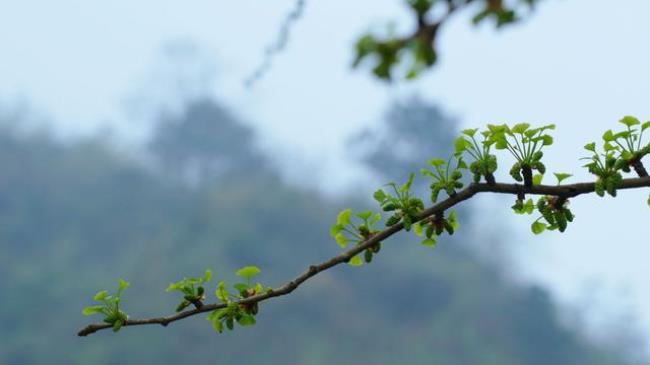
(109, 307)
(485, 163)
(561, 176)
(226, 317)
(501, 12)
(385, 53)
(628, 143)
(235, 311)
(345, 230)
(248, 272)
(521, 207)
(555, 212)
(606, 167)
(525, 144)
(421, 7)
(403, 206)
(417, 52)
(432, 228)
(193, 290)
(621, 151)
(444, 177)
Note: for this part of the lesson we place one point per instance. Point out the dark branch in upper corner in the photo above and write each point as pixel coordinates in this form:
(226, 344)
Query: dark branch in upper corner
(561, 191)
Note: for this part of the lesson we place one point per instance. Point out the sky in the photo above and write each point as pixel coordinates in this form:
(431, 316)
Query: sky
(581, 64)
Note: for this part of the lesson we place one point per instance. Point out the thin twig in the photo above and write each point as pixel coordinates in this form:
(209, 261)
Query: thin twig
(278, 46)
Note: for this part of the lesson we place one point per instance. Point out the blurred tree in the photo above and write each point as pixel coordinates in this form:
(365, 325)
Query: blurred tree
(205, 143)
(412, 129)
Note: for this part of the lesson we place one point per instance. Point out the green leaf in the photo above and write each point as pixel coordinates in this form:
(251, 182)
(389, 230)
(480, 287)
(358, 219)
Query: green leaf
(436, 162)
(591, 147)
(529, 207)
(469, 132)
(365, 214)
(609, 147)
(375, 218)
(624, 134)
(429, 242)
(608, 136)
(537, 179)
(501, 144)
(460, 144)
(335, 229)
(629, 121)
(248, 272)
(379, 196)
(645, 126)
(549, 126)
(344, 217)
(520, 128)
(538, 227)
(92, 310)
(246, 320)
(207, 276)
(240, 287)
(122, 284)
(173, 286)
(100, 295)
(117, 325)
(417, 229)
(453, 220)
(221, 292)
(217, 325)
(341, 240)
(407, 186)
(355, 261)
(561, 176)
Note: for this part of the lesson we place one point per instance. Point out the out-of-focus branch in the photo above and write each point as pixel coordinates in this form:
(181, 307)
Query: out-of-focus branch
(278, 46)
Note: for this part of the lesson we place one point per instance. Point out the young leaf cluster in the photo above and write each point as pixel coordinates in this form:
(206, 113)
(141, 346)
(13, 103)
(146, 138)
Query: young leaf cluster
(629, 144)
(235, 312)
(193, 290)
(444, 177)
(501, 12)
(606, 167)
(485, 163)
(432, 228)
(345, 230)
(401, 203)
(525, 144)
(109, 307)
(416, 52)
(621, 152)
(555, 212)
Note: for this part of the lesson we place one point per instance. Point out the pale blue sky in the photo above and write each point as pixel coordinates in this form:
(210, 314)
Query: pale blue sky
(581, 64)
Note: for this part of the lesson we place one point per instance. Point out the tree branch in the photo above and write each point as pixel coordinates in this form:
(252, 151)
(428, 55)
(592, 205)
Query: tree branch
(561, 191)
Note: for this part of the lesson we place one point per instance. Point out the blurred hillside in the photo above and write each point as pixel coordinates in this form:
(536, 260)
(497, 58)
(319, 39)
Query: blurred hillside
(75, 217)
